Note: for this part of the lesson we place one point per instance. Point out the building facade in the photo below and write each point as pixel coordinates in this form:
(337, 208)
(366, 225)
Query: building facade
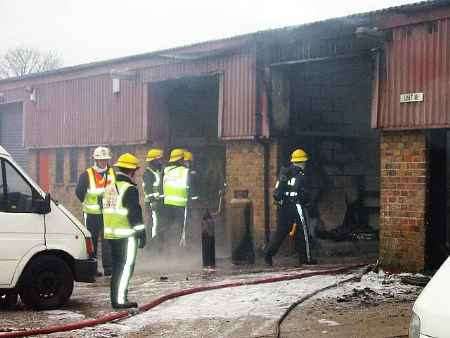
(366, 96)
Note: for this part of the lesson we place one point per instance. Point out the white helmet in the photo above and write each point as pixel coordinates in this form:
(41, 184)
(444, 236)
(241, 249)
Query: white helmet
(101, 153)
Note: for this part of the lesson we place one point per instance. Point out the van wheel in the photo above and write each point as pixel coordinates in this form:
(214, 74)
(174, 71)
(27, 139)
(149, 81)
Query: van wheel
(8, 299)
(46, 283)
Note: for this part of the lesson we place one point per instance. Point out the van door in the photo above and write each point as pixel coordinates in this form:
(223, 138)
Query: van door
(21, 229)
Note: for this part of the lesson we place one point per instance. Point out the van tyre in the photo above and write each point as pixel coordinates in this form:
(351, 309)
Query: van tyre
(47, 283)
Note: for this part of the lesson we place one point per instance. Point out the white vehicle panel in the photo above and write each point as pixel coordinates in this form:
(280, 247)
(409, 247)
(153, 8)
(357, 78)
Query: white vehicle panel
(432, 306)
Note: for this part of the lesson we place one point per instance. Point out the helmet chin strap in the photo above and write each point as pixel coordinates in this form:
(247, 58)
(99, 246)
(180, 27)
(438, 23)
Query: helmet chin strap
(100, 170)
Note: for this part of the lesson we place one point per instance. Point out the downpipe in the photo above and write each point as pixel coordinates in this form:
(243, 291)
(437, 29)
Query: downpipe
(114, 316)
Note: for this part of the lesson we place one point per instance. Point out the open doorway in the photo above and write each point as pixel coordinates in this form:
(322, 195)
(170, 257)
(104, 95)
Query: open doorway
(188, 111)
(328, 103)
(12, 132)
(437, 234)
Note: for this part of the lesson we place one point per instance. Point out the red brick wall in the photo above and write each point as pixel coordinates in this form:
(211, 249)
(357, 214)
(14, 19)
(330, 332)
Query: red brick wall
(403, 200)
(245, 167)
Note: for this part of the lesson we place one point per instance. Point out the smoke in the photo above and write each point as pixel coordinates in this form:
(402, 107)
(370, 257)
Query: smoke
(163, 254)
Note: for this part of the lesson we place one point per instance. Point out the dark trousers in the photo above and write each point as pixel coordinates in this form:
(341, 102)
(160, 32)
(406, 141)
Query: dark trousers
(123, 254)
(94, 223)
(288, 214)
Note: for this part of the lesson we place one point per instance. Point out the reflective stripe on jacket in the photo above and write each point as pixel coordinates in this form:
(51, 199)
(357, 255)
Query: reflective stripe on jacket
(115, 215)
(175, 185)
(96, 189)
(156, 185)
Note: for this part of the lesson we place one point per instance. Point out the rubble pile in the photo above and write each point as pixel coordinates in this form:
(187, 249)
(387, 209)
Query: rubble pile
(374, 289)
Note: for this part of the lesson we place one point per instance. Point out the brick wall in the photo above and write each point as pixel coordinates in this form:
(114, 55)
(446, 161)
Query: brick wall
(403, 200)
(245, 169)
(274, 166)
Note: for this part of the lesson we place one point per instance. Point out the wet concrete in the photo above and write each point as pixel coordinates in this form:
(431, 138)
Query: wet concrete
(249, 311)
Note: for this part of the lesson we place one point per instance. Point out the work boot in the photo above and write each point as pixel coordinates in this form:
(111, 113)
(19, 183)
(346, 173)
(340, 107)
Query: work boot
(125, 305)
(268, 260)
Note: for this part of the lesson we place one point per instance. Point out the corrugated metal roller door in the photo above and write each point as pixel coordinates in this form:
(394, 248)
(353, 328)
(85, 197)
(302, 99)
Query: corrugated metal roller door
(11, 132)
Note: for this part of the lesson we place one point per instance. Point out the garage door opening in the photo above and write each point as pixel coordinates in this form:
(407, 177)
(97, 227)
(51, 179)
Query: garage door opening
(327, 105)
(11, 132)
(186, 113)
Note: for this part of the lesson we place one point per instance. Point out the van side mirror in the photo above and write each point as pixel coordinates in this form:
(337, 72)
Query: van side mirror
(42, 206)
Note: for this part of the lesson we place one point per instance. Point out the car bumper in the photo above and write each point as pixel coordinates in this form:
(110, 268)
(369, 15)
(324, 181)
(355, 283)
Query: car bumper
(85, 270)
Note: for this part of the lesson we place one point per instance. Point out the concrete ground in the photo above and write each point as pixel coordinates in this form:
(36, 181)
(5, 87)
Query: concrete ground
(377, 306)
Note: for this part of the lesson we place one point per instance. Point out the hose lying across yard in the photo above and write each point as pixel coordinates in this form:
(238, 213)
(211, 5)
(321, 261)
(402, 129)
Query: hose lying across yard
(309, 296)
(125, 314)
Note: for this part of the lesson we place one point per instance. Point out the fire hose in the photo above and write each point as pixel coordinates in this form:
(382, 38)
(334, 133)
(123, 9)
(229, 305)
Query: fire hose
(125, 314)
(309, 296)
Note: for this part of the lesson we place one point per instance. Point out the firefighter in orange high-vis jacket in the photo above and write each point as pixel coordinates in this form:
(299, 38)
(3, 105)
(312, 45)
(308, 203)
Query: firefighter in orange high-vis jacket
(91, 186)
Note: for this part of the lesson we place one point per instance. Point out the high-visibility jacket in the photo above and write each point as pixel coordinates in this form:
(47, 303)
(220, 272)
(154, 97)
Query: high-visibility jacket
(97, 186)
(151, 184)
(115, 215)
(175, 186)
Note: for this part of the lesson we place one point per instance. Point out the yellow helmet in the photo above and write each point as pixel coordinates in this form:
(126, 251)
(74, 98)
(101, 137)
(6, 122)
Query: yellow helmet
(299, 155)
(128, 161)
(188, 156)
(154, 154)
(176, 155)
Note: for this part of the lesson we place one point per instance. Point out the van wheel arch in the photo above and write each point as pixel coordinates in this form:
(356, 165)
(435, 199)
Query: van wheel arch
(70, 261)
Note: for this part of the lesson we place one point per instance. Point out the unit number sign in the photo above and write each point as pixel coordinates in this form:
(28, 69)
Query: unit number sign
(411, 97)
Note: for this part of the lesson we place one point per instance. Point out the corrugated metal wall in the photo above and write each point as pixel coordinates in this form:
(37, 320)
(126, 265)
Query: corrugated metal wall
(11, 132)
(86, 112)
(417, 60)
(239, 88)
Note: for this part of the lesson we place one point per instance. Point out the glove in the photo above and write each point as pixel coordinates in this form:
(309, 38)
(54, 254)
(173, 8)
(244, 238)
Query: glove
(277, 195)
(284, 174)
(142, 239)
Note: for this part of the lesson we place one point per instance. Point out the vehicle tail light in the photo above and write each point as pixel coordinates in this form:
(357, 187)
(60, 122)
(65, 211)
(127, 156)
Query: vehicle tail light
(89, 246)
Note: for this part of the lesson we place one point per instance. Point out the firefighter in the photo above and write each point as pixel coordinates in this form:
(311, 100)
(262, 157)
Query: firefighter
(90, 188)
(176, 191)
(293, 197)
(124, 228)
(188, 159)
(152, 185)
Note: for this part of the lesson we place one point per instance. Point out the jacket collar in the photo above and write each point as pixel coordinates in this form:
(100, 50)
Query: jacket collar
(124, 178)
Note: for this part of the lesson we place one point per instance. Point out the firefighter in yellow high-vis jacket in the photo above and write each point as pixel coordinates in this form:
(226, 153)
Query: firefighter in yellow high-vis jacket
(123, 227)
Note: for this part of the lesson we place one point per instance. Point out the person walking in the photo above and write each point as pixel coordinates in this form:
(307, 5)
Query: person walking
(292, 194)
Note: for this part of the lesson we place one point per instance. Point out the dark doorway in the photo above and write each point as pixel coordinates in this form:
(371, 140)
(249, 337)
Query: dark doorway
(328, 115)
(437, 228)
(12, 132)
(184, 113)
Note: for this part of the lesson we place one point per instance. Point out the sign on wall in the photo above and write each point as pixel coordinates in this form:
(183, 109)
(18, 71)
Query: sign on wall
(411, 97)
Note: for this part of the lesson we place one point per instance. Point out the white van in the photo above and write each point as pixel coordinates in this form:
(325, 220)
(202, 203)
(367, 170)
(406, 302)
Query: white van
(431, 311)
(43, 247)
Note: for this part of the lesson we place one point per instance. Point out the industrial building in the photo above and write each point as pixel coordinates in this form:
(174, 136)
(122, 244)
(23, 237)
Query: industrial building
(365, 95)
